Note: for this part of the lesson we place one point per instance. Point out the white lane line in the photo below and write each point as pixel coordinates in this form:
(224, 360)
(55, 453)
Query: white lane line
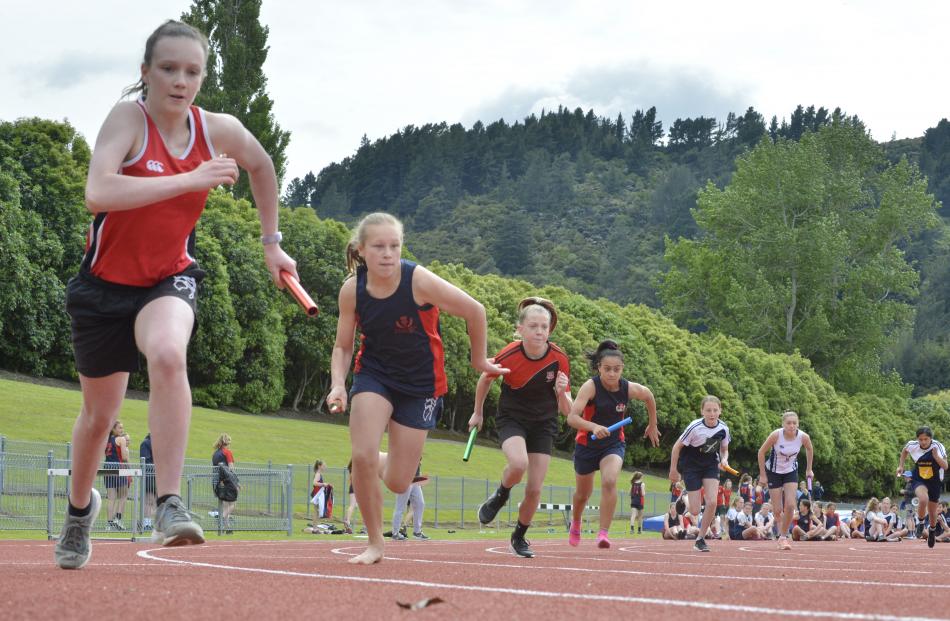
(550, 594)
(633, 572)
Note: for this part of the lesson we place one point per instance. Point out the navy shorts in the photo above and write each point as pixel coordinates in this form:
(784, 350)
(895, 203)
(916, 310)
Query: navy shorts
(587, 458)
(538, 435)
(777, 480)
(103, 318)
(409, 410)
(934, 486)
(693, 476)
(114, 481)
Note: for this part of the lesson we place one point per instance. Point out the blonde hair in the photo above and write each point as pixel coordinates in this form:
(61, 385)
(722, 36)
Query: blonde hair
(788, 413)
(534, 304)
(711, 398)
(170, 28)
(114, 425)
(223, 441)
(873, 504)
(353, 258)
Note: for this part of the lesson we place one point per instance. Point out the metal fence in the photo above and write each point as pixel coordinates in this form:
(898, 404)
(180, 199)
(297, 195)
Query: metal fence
(271, 496)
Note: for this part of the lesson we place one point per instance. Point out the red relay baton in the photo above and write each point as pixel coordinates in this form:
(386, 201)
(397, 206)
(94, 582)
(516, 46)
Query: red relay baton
(302, 297)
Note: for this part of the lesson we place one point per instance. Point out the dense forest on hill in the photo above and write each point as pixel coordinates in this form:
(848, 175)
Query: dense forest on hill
(587, 202)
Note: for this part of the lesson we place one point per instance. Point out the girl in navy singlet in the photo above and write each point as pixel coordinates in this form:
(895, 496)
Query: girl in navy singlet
(537, 388)
(601, 402)
(930, 463)
(152, 167)
(399, 376)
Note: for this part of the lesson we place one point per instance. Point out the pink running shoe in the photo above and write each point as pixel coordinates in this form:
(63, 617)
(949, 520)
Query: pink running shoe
(574, 537)
(602, 540)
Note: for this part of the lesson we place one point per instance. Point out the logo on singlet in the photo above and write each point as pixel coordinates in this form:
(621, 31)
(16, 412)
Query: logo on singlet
(405, 325)
(621, 407)
(185, 283)
(155, 166)
(549, 376)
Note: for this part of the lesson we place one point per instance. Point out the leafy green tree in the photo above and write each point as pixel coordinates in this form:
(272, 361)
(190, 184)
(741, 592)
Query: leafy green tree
(800, 252)
(236, 83)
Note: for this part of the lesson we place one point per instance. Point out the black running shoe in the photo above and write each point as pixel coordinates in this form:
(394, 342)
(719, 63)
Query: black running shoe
(931, 537)
(700, 546)
(521, 547)
(490, 508)
(919, 531)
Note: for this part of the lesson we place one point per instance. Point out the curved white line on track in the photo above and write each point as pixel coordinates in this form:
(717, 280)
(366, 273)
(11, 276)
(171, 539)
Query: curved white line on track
(692, 554)
(633, 572)
(147, 554)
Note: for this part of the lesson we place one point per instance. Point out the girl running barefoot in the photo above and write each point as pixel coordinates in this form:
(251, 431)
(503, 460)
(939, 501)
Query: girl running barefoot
(704, 446)
(154, 162)
(601, 402)
(532, 394)
(780, 472)
(930, 462)
(399, 376)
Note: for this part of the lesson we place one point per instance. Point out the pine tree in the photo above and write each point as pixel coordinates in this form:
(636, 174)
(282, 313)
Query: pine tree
(236, 83)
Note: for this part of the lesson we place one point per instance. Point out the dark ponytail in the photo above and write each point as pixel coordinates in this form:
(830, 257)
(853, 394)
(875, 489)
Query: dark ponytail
(606, 348)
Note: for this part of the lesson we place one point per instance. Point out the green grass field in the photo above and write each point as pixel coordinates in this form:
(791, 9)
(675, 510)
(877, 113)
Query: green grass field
(44, 413)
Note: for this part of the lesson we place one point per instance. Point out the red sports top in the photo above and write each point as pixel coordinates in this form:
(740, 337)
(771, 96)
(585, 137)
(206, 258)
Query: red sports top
(527, 391)
(143, 246)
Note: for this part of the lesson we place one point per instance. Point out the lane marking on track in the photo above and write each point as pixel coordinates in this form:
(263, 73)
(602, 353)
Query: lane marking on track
(633, 572)
(689, 554)
(812, 614)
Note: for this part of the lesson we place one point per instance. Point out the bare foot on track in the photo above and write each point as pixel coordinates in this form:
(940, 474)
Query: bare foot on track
(372, 554)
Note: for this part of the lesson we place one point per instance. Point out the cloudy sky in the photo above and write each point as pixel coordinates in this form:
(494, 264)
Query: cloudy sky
(338, 70)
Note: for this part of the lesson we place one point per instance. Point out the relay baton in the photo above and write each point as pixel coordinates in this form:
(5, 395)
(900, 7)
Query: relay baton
(336, 407)
(730, 470)
(302, 297)
(471, 443)
(809, 485)
(615, 427)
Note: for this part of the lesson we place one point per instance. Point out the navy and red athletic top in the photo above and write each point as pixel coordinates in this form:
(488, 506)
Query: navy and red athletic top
(142, 246)
(606, 408)
(400, 341)
(527, 391)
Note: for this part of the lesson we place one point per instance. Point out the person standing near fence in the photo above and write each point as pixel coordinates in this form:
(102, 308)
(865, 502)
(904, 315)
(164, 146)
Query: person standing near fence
(154, 162)
(602, 401)
(117, 487)
(399, 375)
(148, 465)
(638, 494)
(351, 506)
(223, 455)
(318, 493)
(413, 498)
(532, 394)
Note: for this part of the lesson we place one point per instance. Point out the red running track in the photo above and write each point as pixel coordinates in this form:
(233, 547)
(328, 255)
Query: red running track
(635, 579)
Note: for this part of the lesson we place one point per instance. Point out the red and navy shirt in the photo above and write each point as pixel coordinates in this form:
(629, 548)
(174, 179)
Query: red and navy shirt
(400, 341)
(606, 408)
(142, 246)
(527, 391)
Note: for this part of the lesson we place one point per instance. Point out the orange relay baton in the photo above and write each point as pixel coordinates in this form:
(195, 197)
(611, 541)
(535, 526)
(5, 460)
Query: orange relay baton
(302, 297)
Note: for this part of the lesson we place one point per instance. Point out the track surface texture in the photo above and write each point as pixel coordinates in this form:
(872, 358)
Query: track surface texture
(635, 579)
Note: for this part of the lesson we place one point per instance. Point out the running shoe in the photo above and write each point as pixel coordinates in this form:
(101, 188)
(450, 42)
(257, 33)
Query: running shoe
(700, 546)
(574, 535)
(175, 525)
(602, 540)
(398, 536)
(522, 547)
(74, 546)
(421, 536)
(931, 536)
(490, 508)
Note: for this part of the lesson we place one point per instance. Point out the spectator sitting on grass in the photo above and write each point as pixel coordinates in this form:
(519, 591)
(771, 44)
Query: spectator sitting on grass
(874, 522)
(765, 521)
(805, 527)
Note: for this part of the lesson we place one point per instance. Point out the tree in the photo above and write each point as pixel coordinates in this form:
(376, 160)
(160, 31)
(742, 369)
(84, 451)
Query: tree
(799, 252)
(236, 83)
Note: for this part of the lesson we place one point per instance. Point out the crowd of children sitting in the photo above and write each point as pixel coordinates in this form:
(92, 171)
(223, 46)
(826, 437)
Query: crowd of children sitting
(749, 517)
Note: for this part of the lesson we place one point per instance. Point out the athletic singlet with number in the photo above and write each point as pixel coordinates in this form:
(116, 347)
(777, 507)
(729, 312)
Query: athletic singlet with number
(142, 246)
(605, 409)
(783, 458)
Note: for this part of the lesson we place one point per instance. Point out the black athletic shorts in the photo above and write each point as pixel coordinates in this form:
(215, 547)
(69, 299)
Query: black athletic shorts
(538, 435)
(103, 318)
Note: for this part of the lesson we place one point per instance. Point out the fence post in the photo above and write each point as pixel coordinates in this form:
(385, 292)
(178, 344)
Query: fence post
(462, 506)
(290, 500)
(436, 524)
(3, 459)
(268, 486)
(346, 493)
(49, 496)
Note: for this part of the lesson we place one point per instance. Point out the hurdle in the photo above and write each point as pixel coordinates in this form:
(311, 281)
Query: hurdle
(53, 521)
(566, 509)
